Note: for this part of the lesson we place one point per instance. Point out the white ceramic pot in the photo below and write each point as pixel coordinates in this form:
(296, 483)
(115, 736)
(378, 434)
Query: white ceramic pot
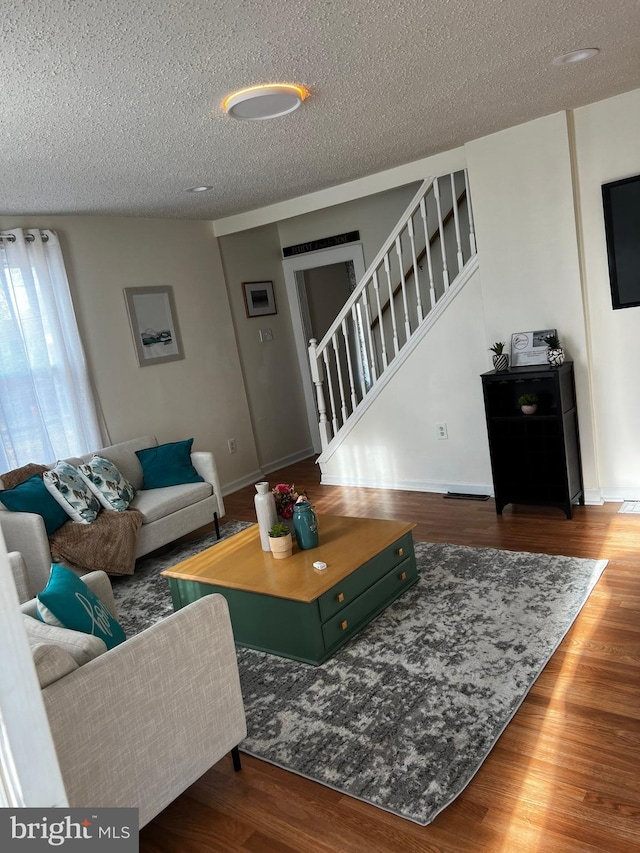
(530, 409)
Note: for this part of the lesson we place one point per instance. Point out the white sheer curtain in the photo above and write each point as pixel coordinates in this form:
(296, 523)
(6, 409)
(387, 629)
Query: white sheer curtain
(47, 409)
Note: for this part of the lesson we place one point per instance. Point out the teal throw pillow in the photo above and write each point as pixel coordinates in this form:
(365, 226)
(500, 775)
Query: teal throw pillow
(168, 465)
(67, 602)
(65, 484)
(110, 487)
(32, 496)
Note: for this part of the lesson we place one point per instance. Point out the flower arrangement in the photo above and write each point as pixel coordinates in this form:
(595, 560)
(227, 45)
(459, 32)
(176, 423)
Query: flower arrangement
(286, 496)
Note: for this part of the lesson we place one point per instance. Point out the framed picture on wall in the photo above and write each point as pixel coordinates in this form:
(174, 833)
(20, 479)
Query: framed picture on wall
(154, 324)
(259, 299)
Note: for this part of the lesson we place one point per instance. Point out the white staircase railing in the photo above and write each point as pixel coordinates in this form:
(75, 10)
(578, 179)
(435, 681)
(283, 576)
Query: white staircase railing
(408, 277)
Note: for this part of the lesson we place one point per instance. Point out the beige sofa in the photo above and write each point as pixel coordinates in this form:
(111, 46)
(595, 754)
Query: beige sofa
(136, 725)
(168, 513)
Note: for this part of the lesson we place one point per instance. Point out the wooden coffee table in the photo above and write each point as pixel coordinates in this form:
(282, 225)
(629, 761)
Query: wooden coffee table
(289, 608)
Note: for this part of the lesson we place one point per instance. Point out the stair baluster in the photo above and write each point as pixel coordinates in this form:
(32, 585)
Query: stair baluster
(427, 243)
(456, 220)
(332, 399)
(403, 286)
(387, 269)
(445, 269)
(416, 277)
(472, 234)
(383, 344)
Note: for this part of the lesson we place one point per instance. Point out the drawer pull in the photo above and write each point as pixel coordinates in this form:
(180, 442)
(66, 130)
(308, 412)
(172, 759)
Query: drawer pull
(400, 552)
(403, 576)
(344, 624)
(340, 597)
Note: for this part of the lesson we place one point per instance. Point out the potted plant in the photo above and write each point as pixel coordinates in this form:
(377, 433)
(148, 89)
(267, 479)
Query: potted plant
(500, 357)
(528, 403)
(280, 540)
(555, 353)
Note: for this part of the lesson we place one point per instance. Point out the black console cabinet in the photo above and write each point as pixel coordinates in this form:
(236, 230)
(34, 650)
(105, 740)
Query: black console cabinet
(535, 459)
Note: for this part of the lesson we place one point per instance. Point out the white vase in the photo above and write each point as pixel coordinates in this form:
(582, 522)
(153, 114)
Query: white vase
(265, 512)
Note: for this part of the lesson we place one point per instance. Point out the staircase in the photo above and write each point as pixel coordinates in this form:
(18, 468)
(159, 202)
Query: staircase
(426, 260)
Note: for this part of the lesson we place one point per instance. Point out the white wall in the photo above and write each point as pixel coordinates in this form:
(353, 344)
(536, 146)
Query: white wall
(522, 196)
(608, 148)
(395, 444)
(203, 394)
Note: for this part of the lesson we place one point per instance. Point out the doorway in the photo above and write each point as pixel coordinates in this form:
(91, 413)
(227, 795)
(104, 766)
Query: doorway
(318, 285)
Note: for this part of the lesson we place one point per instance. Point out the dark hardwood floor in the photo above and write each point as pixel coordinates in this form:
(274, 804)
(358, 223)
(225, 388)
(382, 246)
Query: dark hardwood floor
(564, 776)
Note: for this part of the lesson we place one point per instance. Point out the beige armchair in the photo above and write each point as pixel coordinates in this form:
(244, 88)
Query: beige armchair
(136, 725)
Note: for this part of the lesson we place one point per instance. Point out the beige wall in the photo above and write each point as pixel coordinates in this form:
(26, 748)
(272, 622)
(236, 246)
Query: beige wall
(200, 396)
(608, 148)
(373, 216)
(270, 368)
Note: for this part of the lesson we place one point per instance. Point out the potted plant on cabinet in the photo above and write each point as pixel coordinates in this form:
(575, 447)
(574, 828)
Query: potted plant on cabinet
(500, 357)
(528, 403)
(555, 353)
(280, 540)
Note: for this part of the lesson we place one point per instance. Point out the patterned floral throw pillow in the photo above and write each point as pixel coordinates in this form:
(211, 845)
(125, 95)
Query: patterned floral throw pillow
(107, 483)
(66, 485)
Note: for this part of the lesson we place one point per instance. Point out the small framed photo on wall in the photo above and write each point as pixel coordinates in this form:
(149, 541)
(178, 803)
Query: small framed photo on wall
(259, 299)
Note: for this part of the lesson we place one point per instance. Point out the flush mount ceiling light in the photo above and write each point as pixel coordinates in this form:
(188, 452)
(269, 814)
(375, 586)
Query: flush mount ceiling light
(270, 100)
(576, 56)
(199, 189)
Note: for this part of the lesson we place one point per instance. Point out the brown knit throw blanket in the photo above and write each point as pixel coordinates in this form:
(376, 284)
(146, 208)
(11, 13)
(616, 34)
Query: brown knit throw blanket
(109, 543)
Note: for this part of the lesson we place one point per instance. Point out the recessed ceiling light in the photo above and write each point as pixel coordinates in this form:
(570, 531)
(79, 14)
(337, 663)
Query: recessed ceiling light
(576, 56)
(199, 189)
(271, 100)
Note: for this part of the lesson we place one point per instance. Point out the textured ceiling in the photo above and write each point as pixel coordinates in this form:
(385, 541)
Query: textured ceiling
(113, 106)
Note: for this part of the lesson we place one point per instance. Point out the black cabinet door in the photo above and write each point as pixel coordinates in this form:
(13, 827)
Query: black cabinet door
(535, 459)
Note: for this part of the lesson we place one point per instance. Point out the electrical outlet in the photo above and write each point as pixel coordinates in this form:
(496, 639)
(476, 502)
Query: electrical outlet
(266, 335)
(231, 444)
(441, 431)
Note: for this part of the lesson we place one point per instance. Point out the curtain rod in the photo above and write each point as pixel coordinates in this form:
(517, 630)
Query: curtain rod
(29, 238)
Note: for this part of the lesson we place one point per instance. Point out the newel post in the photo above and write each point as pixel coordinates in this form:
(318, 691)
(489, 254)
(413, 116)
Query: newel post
(316, 378)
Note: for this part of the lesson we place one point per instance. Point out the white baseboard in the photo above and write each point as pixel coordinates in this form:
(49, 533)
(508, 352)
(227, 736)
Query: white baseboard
(253, 477)
(260, 473)
(408, 485)
(593, 497)
(267, 467)
(620, 493)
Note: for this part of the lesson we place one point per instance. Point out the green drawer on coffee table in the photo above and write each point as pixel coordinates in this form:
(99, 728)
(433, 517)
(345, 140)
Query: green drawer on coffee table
(343, 593)
(368, 604)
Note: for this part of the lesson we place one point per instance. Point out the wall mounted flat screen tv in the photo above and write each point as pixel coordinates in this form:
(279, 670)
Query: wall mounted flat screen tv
(621, 200)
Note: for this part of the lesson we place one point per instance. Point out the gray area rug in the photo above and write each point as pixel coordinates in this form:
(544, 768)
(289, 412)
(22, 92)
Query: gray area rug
(404, 715)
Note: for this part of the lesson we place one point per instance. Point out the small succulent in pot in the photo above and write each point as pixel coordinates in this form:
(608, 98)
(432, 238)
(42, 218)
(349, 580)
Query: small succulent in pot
(279, 529)
(280, 540)
(500, 357)
(555, 353)
(528, 403)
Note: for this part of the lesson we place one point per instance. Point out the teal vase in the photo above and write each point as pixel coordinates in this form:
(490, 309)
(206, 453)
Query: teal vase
(305, 525)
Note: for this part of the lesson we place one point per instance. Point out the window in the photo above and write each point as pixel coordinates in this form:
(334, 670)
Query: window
(47, 410)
